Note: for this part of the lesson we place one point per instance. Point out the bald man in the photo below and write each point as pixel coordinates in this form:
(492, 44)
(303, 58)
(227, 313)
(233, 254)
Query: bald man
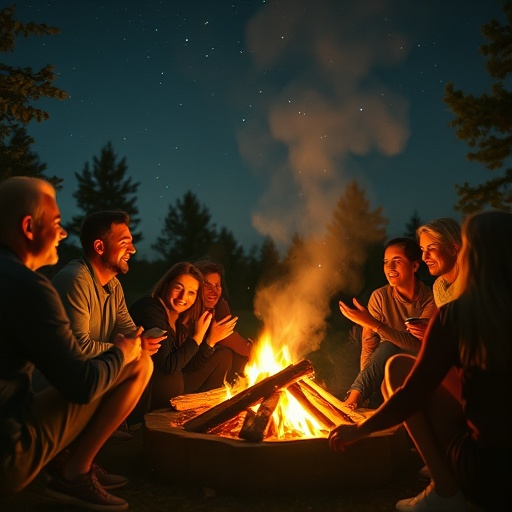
(87, 398)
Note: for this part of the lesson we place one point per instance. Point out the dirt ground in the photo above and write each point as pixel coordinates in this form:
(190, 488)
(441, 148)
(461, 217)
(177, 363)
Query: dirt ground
(335, 366)
(146, 493)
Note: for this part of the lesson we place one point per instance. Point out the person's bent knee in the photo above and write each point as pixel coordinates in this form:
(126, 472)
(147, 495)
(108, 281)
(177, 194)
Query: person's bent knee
(141, 369)
(396, 370)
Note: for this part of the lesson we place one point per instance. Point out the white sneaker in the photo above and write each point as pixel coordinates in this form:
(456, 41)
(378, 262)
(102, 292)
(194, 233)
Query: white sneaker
(429, 501)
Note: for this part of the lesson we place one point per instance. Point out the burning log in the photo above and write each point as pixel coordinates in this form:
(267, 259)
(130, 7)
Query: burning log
(226, 410)
(324, 400)
(206, 399)
(308, 406)
(256, 424)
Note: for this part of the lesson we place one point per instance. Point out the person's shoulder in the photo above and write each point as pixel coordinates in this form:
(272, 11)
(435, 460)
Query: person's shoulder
(73, 268)
(383, 291)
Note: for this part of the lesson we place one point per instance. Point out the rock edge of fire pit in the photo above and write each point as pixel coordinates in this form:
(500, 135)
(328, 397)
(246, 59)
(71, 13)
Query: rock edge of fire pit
(240, 467)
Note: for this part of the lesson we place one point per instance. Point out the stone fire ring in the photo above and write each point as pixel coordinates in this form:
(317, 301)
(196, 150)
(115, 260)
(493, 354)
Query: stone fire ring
(236, 466)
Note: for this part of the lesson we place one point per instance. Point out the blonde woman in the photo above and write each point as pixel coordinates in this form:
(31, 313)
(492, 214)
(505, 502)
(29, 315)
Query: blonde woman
(440, 243)
(466, 445)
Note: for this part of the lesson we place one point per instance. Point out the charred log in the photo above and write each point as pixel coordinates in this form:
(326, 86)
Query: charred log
(256, 425)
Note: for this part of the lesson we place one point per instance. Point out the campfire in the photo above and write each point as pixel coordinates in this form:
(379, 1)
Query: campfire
(268, 433)
(277, 400)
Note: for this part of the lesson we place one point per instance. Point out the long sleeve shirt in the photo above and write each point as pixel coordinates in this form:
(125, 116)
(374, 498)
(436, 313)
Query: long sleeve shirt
(97, 313)
(35, 333)
(387, 306)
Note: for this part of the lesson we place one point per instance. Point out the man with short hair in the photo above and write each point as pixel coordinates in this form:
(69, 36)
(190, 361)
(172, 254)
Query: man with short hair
(89, 289)
(88, 397)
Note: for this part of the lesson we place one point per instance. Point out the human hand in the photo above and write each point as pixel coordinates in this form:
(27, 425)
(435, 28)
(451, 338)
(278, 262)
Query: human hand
(221, 329)
(343, 435)
(130, 345)
(151, 338)
(417, 329)
(360, 315)
(202, 325)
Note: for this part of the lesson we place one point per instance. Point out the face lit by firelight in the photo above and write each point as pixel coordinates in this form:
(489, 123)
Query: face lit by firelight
(398, 268)
(438, 258)
(47, 233)
(212, 290)
(118, 248)
(183, 292)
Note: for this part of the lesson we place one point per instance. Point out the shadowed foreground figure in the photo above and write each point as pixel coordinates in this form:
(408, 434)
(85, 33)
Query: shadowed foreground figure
(466, 445)
(87, 398)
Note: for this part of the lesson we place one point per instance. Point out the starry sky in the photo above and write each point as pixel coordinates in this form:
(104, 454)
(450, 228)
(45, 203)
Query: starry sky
(263, 109)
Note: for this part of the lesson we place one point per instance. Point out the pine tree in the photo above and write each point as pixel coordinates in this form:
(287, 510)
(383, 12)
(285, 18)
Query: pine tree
(269, 261)
(485, 122)
(414, 223)
(19, 88)
(188, 233)
(351, 233)
(105, 187)
(19, 160)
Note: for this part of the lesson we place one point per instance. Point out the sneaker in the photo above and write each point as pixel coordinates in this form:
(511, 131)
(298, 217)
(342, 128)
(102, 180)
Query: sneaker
(429, 501)
(106, 480)
(86, 492)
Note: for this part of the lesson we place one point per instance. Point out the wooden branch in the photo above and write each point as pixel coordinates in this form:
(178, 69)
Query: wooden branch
(256, 425)
(325, 399)
(308, 406)
(236, 404)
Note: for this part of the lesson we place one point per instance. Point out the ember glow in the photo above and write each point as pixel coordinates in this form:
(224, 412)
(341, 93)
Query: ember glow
(290, 418)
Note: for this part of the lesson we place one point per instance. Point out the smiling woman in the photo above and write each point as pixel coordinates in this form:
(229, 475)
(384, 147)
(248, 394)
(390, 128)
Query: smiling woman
(440, 242)
(385, 331)
(187, 361)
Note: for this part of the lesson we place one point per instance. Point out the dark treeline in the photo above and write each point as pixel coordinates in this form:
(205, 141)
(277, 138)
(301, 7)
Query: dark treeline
(189, 233)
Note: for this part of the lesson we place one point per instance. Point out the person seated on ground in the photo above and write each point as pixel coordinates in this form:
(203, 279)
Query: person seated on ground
(215, 302)
(187, 361)
(92, 294)
(384, 322)
(87, 397)
(466, 443)
(89, 289)
(440, 244)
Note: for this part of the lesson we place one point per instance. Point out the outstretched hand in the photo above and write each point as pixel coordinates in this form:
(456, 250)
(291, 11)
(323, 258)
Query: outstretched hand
(360, 315)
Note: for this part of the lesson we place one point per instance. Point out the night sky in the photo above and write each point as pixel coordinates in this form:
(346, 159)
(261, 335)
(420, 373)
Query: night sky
(263, 109)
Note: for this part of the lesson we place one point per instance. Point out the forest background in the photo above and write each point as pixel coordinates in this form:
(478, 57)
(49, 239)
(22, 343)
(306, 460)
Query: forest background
(263, 284)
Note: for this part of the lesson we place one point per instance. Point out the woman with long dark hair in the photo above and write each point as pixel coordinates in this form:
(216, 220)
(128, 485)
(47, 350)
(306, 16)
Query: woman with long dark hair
(187, 361)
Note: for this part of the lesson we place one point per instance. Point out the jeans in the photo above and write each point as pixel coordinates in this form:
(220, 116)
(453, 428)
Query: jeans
(370, 379)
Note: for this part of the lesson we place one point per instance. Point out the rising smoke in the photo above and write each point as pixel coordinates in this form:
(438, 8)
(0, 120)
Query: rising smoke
(318, 64)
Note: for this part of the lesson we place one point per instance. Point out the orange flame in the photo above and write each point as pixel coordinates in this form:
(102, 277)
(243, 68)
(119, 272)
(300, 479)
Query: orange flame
(290, 418)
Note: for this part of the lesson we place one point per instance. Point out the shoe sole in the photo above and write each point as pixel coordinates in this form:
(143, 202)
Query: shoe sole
(70, 500)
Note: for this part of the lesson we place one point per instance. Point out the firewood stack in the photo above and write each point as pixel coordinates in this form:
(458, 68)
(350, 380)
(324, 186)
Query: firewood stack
(248, 413)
